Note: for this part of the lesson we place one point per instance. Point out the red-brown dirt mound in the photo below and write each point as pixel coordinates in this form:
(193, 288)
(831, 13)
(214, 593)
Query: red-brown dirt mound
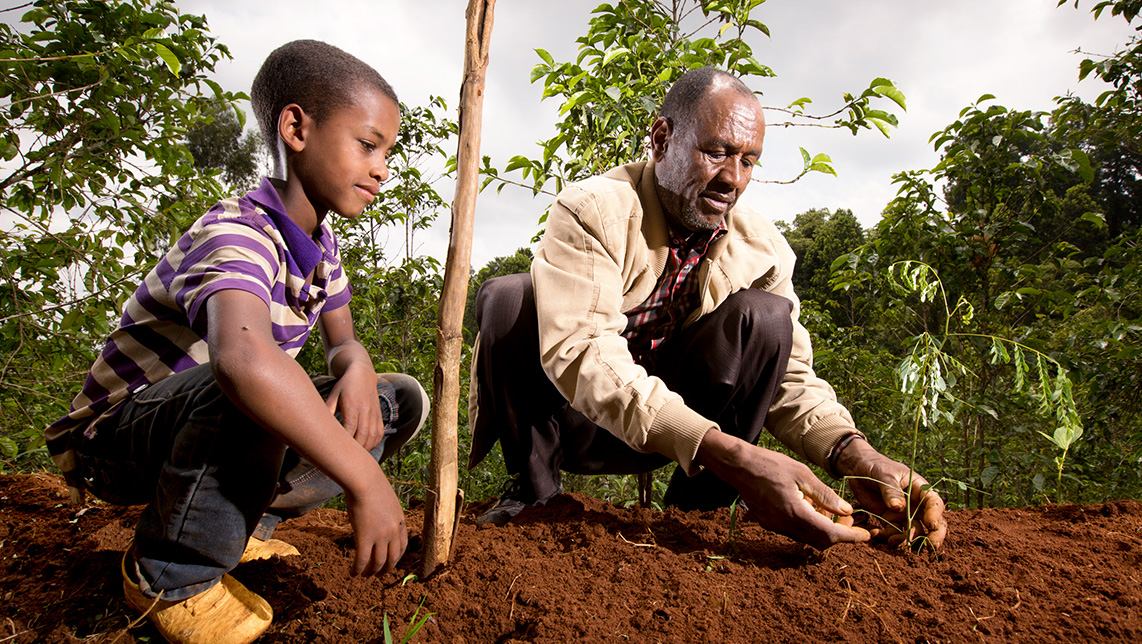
(582, 570)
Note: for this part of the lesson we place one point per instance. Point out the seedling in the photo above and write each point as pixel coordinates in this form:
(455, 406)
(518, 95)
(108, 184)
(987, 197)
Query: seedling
(733, 521)
(415, 623)
(928, 375)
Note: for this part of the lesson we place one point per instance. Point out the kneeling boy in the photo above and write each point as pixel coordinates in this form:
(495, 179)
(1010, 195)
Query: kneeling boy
(196, 405)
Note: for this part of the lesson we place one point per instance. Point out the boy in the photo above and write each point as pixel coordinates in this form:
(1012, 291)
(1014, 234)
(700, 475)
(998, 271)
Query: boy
(196, 405)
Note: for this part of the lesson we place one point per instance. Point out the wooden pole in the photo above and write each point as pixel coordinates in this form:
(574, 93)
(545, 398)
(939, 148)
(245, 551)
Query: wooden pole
(441, 508)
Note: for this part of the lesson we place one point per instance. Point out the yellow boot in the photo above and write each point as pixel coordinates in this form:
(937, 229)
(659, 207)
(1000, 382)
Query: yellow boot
(228, 613)
(257, 549)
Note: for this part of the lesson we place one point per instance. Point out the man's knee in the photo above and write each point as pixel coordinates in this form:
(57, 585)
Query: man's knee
(764, 313)
(502, 300)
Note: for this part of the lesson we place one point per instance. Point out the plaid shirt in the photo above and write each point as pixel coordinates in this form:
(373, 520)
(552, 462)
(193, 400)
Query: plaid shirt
(658, 318)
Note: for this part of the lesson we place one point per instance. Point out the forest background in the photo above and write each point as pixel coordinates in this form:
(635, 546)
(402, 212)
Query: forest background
(986, 329)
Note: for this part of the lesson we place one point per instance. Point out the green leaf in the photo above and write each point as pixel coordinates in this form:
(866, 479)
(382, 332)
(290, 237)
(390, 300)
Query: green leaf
(8, 447)
(888, 90)
(800, 103)
(168, 57)
(1096, 218)
(613, 54)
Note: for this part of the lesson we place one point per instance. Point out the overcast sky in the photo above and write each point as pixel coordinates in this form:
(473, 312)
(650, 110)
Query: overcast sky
(942, 55)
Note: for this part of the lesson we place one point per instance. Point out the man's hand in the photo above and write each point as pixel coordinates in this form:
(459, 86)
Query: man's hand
(379, 529)
(782, 495)
(355, 396)
(878, 483)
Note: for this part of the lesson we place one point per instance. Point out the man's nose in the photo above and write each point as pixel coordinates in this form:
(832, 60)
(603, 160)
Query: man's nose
(733, 173)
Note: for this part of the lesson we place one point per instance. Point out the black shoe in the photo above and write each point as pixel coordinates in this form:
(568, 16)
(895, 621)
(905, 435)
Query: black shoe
(512, 501)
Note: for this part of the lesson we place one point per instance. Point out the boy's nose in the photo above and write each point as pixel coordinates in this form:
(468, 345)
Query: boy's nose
(381, 172)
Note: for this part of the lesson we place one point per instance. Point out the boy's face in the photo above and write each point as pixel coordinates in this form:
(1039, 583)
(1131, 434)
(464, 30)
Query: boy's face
(344, 159)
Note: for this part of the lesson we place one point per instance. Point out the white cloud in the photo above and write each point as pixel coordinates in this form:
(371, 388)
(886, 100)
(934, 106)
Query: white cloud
(942, 55)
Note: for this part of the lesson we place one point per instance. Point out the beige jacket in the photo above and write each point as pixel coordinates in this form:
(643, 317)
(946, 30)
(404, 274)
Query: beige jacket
(603, 253)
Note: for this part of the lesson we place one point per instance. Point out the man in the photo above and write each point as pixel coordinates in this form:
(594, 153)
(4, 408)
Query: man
(659, 324)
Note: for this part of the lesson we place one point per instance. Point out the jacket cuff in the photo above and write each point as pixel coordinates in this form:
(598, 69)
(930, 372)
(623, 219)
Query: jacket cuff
(677, 432)
(818, 441)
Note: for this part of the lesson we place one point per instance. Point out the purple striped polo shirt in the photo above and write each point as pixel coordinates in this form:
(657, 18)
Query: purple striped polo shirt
(247, 243)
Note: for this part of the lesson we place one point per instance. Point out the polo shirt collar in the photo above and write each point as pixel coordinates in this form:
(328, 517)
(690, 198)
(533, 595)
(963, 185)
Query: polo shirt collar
(306, 251)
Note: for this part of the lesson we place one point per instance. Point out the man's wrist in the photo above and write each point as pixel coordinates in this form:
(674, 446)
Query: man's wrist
(835, 466)
(715, 450)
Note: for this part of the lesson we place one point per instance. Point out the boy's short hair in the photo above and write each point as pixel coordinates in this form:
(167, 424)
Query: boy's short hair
(317, 76)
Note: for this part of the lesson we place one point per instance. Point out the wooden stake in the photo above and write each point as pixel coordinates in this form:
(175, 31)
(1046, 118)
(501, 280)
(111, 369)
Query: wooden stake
(440, 510)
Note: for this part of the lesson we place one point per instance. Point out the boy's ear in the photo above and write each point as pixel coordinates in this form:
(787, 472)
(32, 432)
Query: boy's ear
(293, 126)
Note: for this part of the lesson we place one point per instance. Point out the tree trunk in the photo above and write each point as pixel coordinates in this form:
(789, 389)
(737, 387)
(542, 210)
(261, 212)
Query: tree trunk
(442, 503)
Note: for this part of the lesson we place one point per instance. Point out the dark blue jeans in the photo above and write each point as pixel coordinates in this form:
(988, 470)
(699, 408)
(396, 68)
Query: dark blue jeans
(211, 477)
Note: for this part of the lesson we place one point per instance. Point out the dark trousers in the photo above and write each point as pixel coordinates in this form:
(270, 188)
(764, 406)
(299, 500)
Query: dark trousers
(211, 477)
(727, 366)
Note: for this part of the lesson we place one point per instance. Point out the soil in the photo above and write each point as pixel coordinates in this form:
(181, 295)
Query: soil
(582, 570)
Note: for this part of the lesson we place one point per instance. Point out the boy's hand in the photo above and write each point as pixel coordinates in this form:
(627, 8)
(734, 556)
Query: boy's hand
(355, 396)
(272, 389)
(379, 530)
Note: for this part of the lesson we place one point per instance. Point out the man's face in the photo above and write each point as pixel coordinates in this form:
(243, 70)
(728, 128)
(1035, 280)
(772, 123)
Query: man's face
(703, 167)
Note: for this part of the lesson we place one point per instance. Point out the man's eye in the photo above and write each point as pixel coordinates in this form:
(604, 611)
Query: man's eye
(716, 155)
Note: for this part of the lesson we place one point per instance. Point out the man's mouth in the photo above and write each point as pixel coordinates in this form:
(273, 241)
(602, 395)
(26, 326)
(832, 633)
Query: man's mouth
(717, 202)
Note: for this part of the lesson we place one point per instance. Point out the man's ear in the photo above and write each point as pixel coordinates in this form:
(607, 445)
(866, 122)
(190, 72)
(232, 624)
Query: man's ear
(293, 127)
(660, 132)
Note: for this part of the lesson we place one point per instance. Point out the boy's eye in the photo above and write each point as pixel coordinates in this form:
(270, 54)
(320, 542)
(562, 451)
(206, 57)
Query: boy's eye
(369, 146)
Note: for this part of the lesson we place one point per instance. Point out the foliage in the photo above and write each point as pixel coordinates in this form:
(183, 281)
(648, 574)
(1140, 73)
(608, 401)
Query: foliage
(632, 53)
(1111, 128)
(928, 374)
(1004, 247)
(1014, 220)
(219, 144)
(97, 98)
(520, 262)
(818, 238)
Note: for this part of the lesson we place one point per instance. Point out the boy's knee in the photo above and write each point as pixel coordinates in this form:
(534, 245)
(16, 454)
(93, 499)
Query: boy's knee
(411, 406)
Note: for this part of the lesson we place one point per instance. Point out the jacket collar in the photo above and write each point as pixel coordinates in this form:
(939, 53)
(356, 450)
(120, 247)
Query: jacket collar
(655, 228)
